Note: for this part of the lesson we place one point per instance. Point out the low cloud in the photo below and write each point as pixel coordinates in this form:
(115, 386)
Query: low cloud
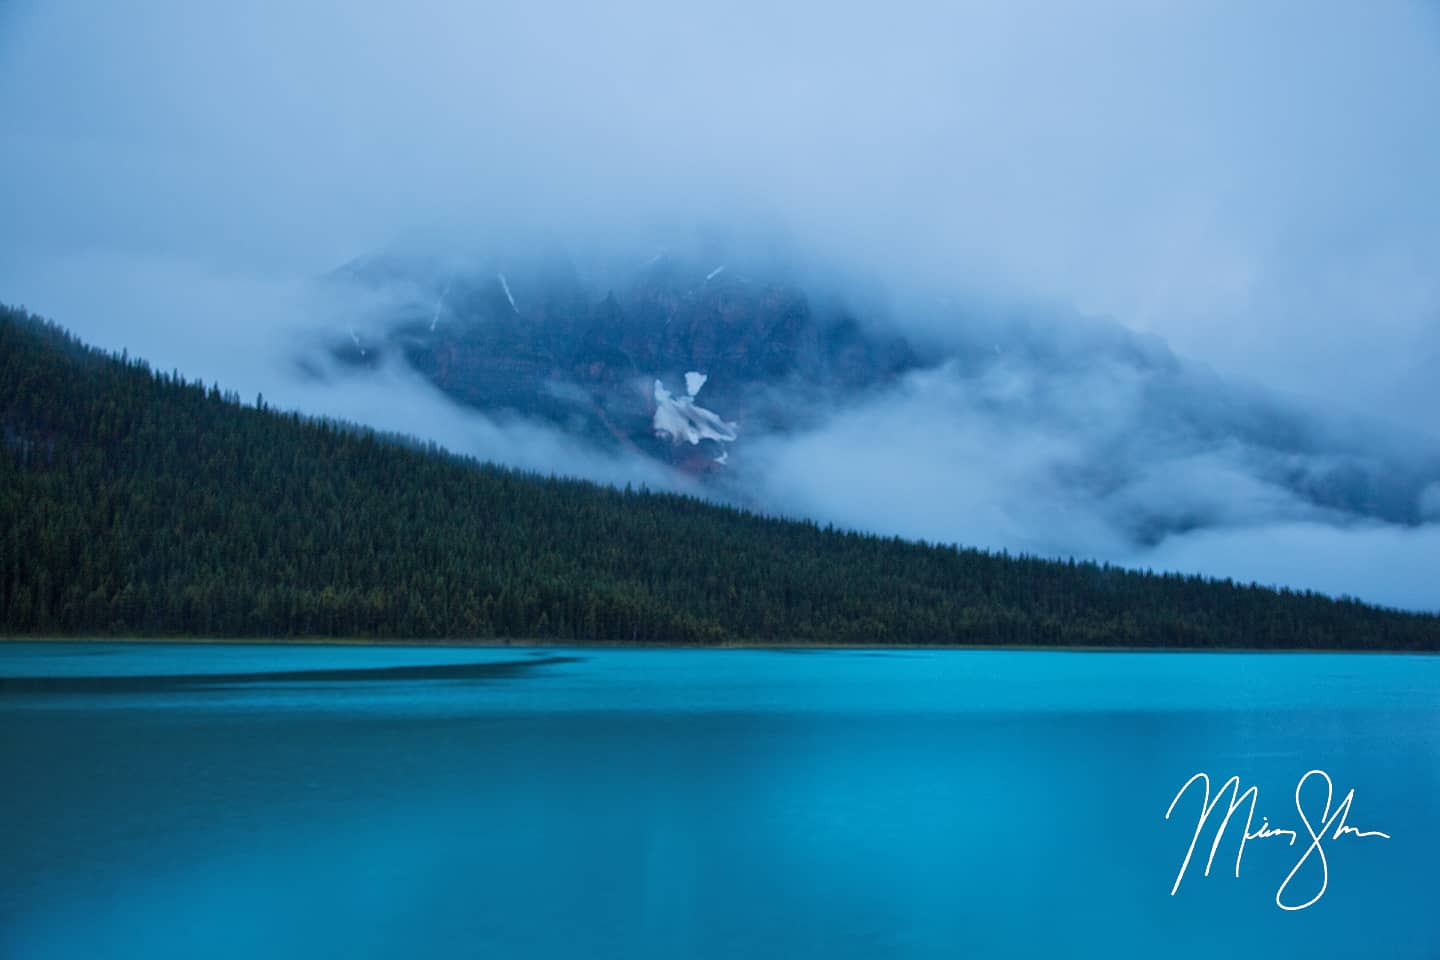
(1250, 183)
(249, 332)
(1380, 563)
(1082, 465)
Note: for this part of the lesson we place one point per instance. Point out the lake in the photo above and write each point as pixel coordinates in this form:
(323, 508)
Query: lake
(162, 800)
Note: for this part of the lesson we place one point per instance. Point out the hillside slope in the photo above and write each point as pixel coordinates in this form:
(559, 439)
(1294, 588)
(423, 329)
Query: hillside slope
(136, 503)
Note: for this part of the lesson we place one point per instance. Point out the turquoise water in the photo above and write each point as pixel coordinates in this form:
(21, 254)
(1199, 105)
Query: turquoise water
(205, 801)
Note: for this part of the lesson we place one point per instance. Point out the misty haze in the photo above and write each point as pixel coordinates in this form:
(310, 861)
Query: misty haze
(1151, 287)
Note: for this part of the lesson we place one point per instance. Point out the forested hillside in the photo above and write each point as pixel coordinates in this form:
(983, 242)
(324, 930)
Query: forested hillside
(136, 503)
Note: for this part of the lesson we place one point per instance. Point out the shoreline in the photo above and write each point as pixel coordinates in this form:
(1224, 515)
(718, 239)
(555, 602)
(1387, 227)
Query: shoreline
(521, 644)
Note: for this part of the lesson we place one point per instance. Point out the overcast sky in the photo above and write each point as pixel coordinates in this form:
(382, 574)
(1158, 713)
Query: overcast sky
(1254, 182)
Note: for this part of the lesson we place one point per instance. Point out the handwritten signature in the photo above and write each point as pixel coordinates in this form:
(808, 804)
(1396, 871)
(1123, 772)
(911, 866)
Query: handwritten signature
(1328, 820)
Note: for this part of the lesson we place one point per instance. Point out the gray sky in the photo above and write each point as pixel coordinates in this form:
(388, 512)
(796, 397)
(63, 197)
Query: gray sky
(1254, 182)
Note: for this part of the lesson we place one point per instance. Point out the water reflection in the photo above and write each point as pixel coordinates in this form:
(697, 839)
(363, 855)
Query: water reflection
(697, 804)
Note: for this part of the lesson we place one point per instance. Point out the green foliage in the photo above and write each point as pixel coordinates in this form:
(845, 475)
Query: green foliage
(134, 502)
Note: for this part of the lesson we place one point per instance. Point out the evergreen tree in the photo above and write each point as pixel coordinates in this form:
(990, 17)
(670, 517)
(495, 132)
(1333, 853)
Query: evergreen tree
(136, 503)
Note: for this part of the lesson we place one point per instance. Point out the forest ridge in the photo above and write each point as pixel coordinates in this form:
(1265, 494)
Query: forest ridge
(136, 503)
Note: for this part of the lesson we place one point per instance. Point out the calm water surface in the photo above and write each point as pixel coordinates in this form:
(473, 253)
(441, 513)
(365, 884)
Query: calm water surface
(205, 801)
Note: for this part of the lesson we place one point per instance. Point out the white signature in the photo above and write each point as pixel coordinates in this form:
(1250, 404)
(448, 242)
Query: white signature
(1328, 819)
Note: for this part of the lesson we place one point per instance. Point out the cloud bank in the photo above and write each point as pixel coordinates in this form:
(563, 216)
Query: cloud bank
(1253, 183)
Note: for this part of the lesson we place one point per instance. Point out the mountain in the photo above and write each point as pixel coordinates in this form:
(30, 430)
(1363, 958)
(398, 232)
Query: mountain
(609, 358)
(136, 503)
(609, 368)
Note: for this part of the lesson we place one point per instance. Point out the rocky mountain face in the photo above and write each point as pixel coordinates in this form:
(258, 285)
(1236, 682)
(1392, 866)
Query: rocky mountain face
(691, 363)
(538, 344)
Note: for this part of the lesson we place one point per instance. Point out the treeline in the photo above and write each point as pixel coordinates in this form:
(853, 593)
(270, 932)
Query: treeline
(136, 503)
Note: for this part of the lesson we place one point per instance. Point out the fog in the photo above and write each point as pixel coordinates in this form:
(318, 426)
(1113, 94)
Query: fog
(1252, 184)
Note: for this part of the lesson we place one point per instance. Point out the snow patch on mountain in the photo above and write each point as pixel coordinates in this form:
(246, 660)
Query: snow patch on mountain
(508, 295)
(439, 303)
(682, 420)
